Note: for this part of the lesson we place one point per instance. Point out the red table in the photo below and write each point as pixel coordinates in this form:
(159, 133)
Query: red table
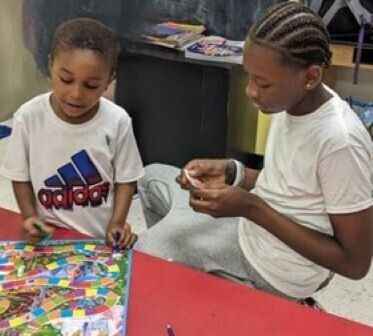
(196, 304)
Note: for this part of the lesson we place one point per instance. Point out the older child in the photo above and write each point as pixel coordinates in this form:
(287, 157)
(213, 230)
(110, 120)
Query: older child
(72, 156)
(307, 214)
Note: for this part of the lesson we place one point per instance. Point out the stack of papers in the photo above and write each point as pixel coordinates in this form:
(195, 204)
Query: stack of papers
(173, 34)
(216, 49)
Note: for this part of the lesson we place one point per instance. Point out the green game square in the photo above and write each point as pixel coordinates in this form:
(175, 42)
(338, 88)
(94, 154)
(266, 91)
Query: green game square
(111, 302)
(43, 319)
(58, 301)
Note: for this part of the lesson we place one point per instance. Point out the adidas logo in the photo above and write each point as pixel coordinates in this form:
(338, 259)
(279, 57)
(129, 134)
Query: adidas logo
(76, 183)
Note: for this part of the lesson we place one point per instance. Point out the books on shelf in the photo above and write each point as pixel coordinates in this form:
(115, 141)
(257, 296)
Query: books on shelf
(173, 34)
(215, 49)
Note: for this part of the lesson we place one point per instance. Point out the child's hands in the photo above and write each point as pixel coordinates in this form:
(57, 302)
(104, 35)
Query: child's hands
(120, 236)
(223, 202)
(36, 230)
(203, 174)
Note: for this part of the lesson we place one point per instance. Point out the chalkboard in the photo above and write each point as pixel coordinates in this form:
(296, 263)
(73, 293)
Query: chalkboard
(228, 18)
(130, 18)
(41, 17)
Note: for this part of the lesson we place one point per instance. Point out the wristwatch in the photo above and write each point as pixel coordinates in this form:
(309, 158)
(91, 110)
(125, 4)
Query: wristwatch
(234, 173)
(230, 171)
(240, 174)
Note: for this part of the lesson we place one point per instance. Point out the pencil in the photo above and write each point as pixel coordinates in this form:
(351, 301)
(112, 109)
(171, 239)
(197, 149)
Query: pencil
(170, 331)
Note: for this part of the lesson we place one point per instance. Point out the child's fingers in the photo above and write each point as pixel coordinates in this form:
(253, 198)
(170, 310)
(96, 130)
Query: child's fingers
(125, 239)
(49, 229)
(129, 240)
(133, 240)
(182, 181)
(27, 235)
(29, 227)
(109, 239)
(117, 237)
(33, 233)
(194, 165)
(114, 237)
(30, 233)
(37, 229)
(199, 194)
(32, 237)
(186, 181)
(194, 182)
(121, 237)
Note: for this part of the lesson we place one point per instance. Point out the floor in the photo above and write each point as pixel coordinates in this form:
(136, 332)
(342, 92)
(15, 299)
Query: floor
(343, 297)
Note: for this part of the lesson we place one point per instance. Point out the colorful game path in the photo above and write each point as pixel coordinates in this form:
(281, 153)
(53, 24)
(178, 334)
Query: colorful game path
(74, 280)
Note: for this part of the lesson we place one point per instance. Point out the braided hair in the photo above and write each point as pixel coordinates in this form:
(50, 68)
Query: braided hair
(296, 32)
(86, 33)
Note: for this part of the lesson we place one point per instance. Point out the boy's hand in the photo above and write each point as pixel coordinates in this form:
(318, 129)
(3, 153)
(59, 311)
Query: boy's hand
(35, 230)
(203, 174)
(223, 202)
(120, 236)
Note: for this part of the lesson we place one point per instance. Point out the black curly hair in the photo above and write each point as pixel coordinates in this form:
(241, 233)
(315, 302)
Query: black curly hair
(86, 33)
(296, 32)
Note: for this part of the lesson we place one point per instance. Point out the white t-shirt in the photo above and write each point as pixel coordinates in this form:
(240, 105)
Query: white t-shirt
(73, 168)
(315, 164)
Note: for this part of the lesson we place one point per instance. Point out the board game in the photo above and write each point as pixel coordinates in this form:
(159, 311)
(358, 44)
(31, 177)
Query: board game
(76, 288)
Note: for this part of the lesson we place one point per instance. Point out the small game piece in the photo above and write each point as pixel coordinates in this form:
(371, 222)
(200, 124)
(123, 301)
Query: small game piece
(21, 271)
(116, 247)
(193, 181)
(43, 234)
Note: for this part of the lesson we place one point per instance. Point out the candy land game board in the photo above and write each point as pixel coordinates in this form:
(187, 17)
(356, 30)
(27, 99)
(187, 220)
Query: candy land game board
(63, 288)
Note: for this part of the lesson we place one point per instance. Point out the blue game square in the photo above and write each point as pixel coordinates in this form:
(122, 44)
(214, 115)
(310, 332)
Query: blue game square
(38, 312)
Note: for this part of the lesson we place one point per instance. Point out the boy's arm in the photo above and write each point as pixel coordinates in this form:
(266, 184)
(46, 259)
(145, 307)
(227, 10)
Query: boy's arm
(25, 197)
(251, 175)
(34, 227)
(118, 232)
(348, 252)
(122, 200)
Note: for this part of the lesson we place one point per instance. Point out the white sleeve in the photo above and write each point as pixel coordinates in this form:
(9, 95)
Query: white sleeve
(16, 160)
(345, 177)
(127, 161)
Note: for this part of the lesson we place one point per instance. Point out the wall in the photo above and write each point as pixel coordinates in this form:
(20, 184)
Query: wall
(344, 86)
(130, 19)
(20, 79)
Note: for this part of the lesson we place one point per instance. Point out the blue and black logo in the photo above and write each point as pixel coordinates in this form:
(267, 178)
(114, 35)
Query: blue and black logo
(76, 183)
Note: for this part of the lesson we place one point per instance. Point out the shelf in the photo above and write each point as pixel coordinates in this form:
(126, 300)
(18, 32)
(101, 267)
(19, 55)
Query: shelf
(169, 54)
(343, 56)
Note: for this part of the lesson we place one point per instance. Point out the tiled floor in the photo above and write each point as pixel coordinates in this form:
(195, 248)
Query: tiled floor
(343, 297)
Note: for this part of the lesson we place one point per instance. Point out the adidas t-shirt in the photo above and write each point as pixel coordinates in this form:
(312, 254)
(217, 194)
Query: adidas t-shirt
(73, 168)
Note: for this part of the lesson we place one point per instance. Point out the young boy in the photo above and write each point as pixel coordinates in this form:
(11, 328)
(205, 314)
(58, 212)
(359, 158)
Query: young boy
(72, 156)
